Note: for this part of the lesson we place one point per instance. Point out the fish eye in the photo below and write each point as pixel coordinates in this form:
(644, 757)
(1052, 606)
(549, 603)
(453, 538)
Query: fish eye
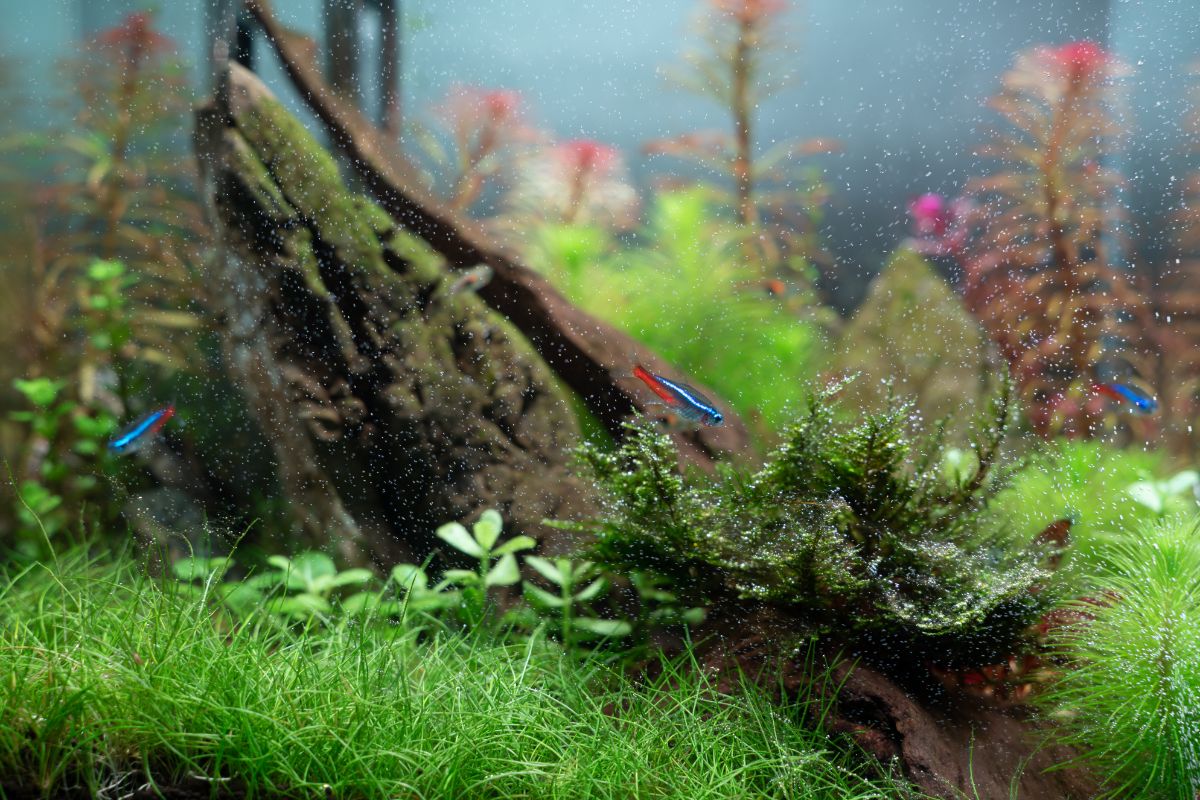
(717, 418)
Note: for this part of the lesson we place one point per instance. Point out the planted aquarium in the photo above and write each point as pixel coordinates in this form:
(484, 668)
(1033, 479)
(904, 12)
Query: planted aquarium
(692, 399)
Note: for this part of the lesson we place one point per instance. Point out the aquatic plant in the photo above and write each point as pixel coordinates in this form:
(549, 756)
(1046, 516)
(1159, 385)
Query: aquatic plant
(776, 200)
(849, 527)
(104, 298)
(1038, 270)
(112, 679)
(578, 584)
(576, 182)
(684, 293)
(487, 130)
(1128, 696)
(497, 562)
(62, 459)
(1108, 493)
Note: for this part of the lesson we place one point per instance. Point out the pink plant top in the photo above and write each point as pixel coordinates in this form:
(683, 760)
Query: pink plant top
(750, 13)
(134, 37)
(1078, 61)
(930, 215)
(940, 227)
(474, 108)
(586, 156)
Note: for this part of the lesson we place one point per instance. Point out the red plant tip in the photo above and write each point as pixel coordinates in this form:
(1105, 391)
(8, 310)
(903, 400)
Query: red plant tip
(586, 155)
(501, 104)
(474, 107)
(930, 214)
(135, 35)
(750, 12)
(1079, 60)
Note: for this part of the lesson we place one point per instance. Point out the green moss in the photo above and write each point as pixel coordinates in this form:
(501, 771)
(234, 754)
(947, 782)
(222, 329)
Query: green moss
(851, 527)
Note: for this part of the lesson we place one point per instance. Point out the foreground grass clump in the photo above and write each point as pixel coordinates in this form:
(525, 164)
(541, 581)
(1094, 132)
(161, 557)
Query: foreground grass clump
(110, 680)
(852, 527)
(1130, 696)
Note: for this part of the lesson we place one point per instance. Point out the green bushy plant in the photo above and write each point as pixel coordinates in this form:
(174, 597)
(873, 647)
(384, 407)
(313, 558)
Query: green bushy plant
(1129, 697)
(853, 528)
(685, 294)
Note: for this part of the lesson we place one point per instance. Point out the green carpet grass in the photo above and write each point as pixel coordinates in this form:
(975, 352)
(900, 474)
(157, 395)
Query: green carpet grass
(110, 681)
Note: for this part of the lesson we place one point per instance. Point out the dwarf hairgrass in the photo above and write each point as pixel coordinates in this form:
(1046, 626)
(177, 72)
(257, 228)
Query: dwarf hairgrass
(111, 680)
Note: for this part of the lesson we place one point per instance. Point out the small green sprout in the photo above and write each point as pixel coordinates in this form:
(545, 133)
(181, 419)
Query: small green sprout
(497, 563)
(569, 576)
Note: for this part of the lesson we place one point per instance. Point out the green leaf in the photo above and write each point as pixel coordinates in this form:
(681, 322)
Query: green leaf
(591, 591)
(410, 577)
(432, 601)
(359, 602)
(105, 270)
(353, 576)
(613, 628)
(515, 545)
(545, 569)
(300, 605)
(1182, 482)
(457, 537)
(308, 567)
(1147, 494)
(541, 596)
(461, 577)
(194, 568)
(281, 563)
(487, 529)
(41, 392)
(504, 573)
(693, 616)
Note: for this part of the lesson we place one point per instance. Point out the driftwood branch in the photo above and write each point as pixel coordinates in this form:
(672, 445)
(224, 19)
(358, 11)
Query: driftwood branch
(592, 357)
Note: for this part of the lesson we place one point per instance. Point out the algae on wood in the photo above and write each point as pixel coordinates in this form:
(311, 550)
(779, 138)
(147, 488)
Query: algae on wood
(913, 330)
(390, 407)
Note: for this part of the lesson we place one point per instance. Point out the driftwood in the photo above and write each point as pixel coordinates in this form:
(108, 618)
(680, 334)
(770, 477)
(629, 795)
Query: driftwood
(950, 746)
(390, 406)
(592, 357)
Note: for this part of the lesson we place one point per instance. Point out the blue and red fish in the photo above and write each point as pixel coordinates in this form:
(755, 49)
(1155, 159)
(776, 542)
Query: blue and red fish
(1139, 402)
(139, 433)
(682, 399)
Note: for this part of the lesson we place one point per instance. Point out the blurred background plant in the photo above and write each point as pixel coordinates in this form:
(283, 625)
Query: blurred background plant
(472, 143)
(1110, 494)
(776, 199)
(104, 299)
(681, 291)
(1036, 240)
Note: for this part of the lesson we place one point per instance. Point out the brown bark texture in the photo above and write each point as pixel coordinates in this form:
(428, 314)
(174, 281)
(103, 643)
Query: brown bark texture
(590, 356)
(950, 746)
(391, 406)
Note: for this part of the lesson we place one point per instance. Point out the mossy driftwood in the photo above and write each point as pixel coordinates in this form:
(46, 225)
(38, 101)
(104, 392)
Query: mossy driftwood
(589, 355)
(390, 405)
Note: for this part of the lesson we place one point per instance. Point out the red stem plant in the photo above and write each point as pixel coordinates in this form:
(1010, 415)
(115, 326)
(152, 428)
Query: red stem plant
(734, 66)
(576, 182)
(1038, 269)
(125, 192)
(487, 128)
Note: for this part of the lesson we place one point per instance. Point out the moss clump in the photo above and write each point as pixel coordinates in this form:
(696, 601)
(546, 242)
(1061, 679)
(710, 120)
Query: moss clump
(855, 529)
